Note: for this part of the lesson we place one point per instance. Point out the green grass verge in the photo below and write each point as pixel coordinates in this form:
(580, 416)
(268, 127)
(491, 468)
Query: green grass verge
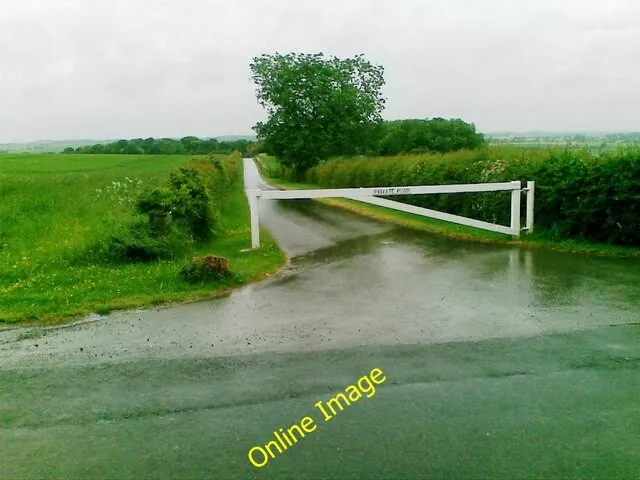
(52, 206)
(268, 165)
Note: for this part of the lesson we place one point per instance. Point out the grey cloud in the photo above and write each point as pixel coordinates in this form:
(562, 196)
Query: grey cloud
(125, 68)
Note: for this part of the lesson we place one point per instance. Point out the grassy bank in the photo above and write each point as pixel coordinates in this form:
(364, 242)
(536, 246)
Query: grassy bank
(271, 169)
(53, 208)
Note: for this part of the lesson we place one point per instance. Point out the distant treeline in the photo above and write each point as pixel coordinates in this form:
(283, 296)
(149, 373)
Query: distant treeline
(166, 146)
(598, 140)
(389, 138)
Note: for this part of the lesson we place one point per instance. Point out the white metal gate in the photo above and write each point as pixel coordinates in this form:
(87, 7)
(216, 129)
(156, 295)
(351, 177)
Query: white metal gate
(371, 195)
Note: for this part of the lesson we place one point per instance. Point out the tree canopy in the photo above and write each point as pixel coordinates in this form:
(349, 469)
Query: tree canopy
(435, 135)
(317, 106)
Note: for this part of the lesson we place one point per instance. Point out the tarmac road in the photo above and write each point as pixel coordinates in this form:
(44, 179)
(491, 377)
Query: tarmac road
(499, 363)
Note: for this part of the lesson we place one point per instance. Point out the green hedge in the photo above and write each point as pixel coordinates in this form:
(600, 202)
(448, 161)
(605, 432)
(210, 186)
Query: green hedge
(170, 219)
(579, 194)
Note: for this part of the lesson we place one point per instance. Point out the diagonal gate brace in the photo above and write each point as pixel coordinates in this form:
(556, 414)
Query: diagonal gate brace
(372, 196)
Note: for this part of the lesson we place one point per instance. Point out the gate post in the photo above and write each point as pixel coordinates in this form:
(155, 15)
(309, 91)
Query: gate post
(516, 195)
(531, 189)
(254, 196)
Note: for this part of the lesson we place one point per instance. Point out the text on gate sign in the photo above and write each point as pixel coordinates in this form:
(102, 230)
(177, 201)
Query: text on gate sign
(392, 191)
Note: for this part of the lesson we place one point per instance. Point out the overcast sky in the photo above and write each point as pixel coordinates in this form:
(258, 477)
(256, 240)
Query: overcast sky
(138, 68)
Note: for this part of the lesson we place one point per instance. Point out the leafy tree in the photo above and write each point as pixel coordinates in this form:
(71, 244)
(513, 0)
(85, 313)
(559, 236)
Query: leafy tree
(435, 135)
(190, 144)
(99, 148)
(121, 146)
(317, 107)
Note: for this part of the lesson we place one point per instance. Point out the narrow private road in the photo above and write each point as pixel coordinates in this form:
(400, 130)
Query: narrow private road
(498, 363)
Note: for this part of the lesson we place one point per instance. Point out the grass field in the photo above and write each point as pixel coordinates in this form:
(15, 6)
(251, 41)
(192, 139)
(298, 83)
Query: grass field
(53, 208)
(270, 168)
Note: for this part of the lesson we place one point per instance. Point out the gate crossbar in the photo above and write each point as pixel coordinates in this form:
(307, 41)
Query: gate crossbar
(387, 191)
(371, 196)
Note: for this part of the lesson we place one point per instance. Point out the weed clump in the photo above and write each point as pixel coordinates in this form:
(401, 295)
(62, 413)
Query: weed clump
(206, 269)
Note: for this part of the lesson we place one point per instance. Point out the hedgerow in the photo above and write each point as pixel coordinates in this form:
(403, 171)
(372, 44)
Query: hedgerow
(579, 194)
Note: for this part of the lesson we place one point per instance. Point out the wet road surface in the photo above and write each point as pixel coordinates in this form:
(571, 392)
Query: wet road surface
(500, 363)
